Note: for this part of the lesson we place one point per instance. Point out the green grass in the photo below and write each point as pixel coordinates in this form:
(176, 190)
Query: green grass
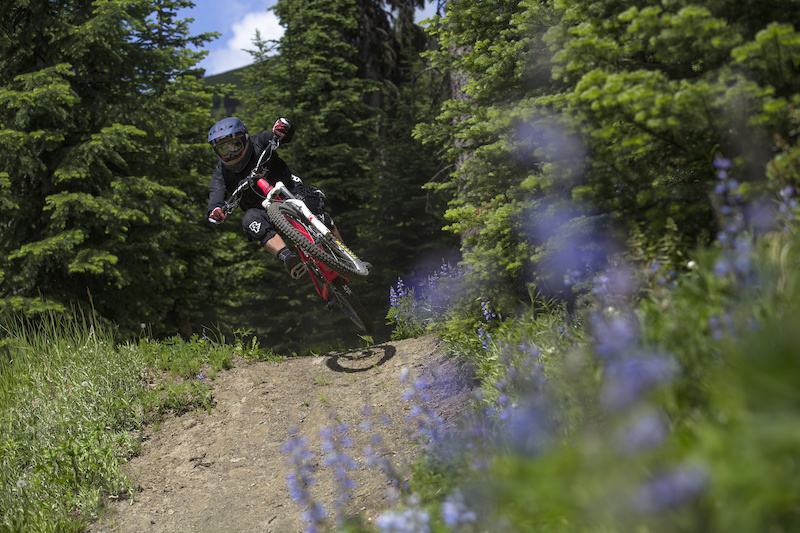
(68, 407)
(73, 402)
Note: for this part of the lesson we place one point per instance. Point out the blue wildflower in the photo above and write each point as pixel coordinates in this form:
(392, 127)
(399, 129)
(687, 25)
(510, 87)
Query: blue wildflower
(527, 427)
(427, 422)
(629, 378)
(488, 312)
(671, 490)
(334, 443)
(485, 338)
(455, 513)
(300, 479)
(614, 335)
(410, 520)
(646, 432)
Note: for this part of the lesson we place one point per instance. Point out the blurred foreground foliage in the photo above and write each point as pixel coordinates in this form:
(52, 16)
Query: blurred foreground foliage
(664, 401)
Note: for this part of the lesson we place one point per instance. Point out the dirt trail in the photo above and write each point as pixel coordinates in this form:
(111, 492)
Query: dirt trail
(223, 471)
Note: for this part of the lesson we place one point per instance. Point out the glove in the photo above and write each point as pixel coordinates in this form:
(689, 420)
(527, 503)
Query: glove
(216, 216)
(283, 129)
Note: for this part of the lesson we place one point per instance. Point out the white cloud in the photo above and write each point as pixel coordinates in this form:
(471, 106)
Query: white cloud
(239, 38)
(426, 12)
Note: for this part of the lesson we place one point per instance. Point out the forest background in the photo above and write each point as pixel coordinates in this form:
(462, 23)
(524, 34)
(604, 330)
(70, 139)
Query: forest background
(105, 174)
(543, 135)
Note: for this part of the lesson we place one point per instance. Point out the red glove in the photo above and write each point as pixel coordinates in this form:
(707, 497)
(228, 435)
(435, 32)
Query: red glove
(282, 128)
(216, 216)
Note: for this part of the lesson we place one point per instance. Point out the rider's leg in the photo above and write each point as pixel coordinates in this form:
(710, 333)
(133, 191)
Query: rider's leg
(275, 245)
(294, 265)
(258, 228)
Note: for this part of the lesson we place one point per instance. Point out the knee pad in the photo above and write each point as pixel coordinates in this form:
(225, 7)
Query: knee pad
(257, 226)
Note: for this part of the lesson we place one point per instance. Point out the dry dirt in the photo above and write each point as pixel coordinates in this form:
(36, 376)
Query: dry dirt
(223, 471)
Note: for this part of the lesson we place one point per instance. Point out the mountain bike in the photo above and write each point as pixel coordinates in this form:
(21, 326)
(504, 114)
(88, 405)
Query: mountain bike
(330, 264)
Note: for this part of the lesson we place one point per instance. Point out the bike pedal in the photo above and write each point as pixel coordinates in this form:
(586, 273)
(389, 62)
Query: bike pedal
(299, 272)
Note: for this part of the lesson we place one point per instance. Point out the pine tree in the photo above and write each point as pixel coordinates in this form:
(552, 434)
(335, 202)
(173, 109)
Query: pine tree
(102, 116)
(348, 74)
(591, 121)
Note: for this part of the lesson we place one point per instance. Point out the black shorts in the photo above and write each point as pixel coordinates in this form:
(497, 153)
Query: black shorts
(258, 227)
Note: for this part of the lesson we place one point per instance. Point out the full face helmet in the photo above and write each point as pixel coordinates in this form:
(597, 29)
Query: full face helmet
(231, 142)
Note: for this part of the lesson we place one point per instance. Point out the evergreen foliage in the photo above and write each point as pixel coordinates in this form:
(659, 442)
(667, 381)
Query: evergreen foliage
(592, 122)
(103, 112)
(354, 105)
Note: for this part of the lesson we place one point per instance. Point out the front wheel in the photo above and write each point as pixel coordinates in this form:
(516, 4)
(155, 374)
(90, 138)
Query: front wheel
(330, 252)
(343, 297)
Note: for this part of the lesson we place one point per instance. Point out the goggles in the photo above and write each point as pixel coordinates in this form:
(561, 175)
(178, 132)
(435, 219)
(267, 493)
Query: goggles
(230, 149)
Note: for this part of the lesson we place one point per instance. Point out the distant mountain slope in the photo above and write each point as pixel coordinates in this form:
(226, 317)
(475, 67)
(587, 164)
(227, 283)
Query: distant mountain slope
(232, 104)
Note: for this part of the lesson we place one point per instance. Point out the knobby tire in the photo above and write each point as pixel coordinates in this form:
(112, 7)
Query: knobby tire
(334, 255)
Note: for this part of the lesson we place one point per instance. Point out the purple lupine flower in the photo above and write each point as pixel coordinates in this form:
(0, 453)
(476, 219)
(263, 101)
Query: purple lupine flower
(300, 478)
(401, 288)
(614, 335)
(646, 432)
(572, 277)
(410, 520)
(378, 457)
(722, 164)
(627, 379)
(475, 440)
(455, 513)
(427, 422)
(788, 204)
(485, 338)
(671, 490)
(527, 427)
(335, 441)
(737, 246)
(488, 312)
(613, 286)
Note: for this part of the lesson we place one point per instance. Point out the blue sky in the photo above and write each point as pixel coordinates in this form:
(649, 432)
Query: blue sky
(237, 21)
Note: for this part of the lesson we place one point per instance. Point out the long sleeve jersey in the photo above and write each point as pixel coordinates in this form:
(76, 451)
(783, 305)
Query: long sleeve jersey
(224, 180)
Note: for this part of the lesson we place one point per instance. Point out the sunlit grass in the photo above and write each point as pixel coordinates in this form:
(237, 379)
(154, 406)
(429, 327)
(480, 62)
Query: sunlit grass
(72, 404)
(69, 402)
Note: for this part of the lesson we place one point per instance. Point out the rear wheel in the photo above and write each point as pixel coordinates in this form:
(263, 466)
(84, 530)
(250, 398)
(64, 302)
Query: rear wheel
(344, 298)
(328, 251)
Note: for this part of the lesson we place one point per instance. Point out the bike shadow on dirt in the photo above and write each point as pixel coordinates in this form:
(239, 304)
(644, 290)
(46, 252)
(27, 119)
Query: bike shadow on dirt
(361, 361)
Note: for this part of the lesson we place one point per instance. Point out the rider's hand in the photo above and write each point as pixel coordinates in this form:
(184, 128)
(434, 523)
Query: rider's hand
(283, 129)
(216, 216)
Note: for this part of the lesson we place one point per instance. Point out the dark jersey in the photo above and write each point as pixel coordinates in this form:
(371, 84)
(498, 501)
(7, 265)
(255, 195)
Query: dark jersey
(224, 180)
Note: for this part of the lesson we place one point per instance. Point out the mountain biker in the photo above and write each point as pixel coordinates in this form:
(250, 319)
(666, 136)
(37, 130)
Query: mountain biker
(238, 153)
